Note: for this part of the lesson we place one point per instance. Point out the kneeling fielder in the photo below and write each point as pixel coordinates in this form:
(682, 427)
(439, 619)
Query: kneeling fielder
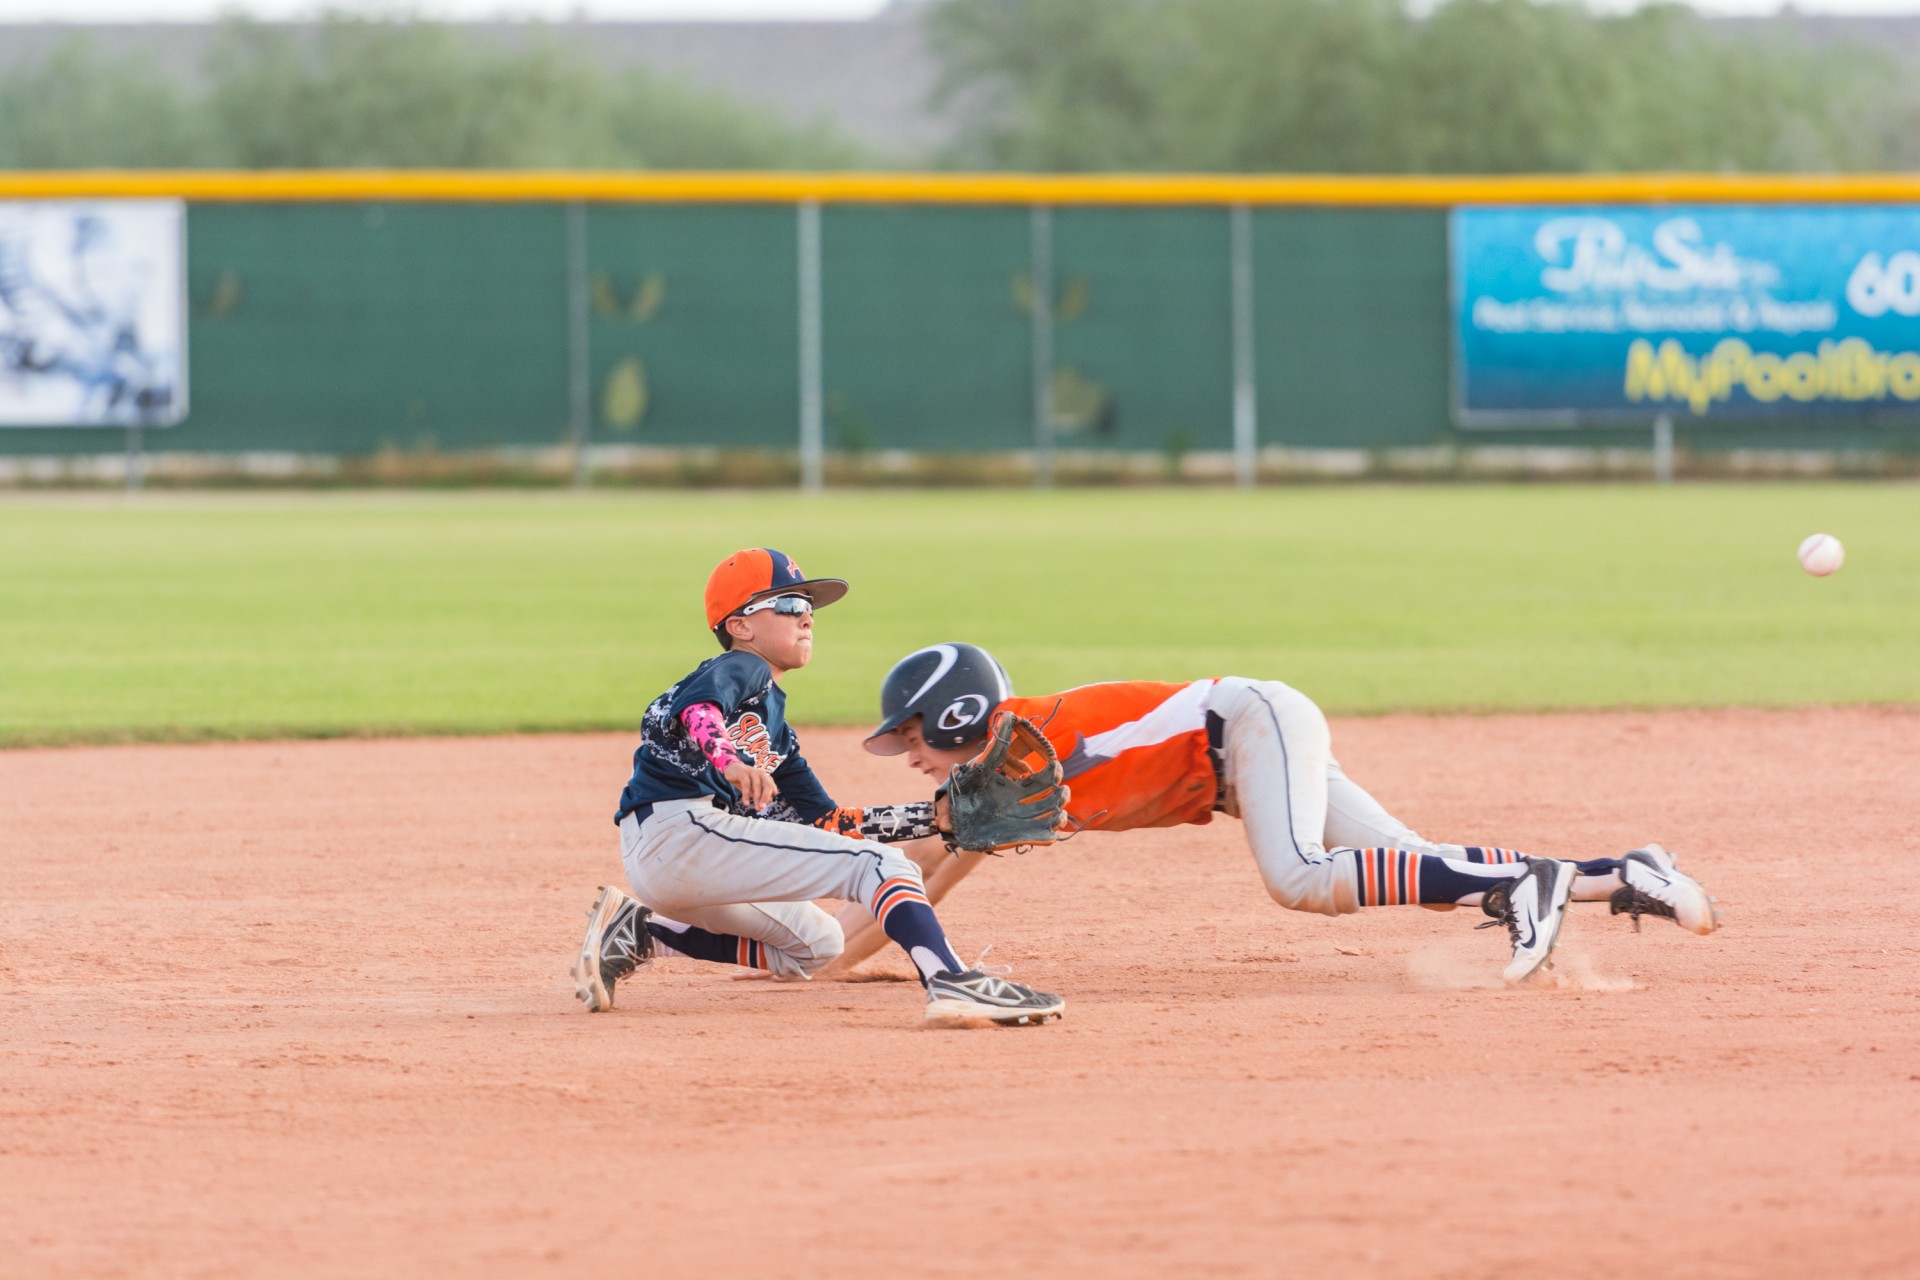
(727, 836)
(1148, 754)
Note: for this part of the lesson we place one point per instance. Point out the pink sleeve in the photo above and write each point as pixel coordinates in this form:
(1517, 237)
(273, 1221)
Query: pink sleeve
(708, 729)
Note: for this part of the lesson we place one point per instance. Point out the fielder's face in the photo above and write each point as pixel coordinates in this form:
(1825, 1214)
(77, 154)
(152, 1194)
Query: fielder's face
(784, 640)
(935, 762)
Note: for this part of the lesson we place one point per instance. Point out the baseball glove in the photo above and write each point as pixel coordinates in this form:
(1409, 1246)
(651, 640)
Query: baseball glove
(1010, 794)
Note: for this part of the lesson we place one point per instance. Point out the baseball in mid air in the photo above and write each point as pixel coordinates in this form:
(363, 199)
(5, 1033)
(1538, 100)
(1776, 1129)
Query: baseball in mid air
(1821, 554)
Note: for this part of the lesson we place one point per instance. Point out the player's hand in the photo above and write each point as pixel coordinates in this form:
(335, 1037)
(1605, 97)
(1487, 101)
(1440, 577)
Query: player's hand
(942, 815)
(754, 785)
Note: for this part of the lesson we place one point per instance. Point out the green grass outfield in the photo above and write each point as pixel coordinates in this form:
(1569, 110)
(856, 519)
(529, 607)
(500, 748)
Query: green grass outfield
(172, 616)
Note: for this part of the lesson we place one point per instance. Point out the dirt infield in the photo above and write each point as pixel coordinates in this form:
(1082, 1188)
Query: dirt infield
(302, 1009)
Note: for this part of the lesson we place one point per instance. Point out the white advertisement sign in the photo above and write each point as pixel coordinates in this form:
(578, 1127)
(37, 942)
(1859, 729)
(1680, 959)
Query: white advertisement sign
(93, 328)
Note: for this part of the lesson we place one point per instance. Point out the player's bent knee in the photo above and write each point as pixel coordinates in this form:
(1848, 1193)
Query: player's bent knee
(808, 955)
(895, 865)
(1311, 893)
(825, 949)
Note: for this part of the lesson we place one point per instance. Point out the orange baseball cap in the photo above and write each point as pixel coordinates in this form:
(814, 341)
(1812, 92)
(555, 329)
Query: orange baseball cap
(755, 574)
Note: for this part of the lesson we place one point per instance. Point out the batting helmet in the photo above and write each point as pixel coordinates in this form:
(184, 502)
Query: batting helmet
(953, 688)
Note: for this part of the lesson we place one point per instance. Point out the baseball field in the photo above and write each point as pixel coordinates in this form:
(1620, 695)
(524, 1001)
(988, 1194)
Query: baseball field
(305, 796)
(192, 617)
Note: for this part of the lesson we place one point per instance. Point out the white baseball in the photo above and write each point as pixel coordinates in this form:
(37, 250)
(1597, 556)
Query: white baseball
(1821, 554)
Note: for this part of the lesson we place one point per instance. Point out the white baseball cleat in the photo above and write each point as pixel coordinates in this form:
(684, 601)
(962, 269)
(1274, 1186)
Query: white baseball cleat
(1533, 906)
(617, 944)
(973, 994)
(1655, 886)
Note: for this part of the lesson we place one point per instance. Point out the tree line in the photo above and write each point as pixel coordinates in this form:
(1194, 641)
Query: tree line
(352, 91)
(1474, 86)
(1466, 86)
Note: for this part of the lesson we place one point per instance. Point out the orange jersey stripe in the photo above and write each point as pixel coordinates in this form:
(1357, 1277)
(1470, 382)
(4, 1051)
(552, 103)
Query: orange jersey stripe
(1134, 751)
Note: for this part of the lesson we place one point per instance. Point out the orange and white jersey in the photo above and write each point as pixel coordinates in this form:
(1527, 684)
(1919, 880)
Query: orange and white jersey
(1134, 751)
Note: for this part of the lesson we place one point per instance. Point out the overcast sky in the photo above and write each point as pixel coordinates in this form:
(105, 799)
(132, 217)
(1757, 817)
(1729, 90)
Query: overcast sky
(200, 10)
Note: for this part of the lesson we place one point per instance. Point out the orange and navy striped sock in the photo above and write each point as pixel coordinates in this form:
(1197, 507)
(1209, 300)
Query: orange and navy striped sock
(1400, 877)
(679, 939)
(901, 907)
(1492, 856)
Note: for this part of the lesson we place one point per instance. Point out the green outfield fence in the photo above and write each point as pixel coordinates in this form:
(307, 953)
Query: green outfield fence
(346, 314)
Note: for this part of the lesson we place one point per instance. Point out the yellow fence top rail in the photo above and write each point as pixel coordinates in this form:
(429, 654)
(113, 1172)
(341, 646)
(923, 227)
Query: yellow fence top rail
(960, 188)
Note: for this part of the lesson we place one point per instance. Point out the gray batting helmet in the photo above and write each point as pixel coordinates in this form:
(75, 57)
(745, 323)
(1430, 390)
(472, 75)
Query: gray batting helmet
(953, 688)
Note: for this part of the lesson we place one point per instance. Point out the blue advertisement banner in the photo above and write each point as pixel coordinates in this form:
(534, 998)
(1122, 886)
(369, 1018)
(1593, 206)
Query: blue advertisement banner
(1567, 315)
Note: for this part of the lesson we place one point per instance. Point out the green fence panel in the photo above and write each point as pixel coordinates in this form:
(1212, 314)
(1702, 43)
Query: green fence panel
(926, 343)
(1143, 340)
(1891, 433)
(55, 442)
(349, 328)
(345, 329)
(1351, 327)
(694, 325)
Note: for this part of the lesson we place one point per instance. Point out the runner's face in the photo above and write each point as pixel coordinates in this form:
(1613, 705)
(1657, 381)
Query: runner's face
(935, 762)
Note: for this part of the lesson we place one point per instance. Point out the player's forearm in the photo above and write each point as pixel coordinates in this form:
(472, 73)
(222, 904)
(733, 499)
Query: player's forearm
(887, 823)
(708, 729)
(864, 937)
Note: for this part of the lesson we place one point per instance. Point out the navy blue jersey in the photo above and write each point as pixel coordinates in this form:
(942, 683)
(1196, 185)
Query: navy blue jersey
(669, 765)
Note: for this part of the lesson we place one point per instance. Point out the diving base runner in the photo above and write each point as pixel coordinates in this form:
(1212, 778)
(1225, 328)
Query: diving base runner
(1143, 753)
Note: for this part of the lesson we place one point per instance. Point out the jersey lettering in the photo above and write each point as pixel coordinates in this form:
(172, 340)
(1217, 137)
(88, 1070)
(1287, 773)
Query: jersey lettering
(750, 738)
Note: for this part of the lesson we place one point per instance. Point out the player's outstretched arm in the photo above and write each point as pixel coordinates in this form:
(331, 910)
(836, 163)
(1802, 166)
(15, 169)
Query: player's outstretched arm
(864, 939)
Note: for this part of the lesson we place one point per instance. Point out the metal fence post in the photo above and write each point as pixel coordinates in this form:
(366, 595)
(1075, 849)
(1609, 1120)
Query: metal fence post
(136, 460)
(579, 393)
(1041, 270)
(811, 444)
(1245, 419)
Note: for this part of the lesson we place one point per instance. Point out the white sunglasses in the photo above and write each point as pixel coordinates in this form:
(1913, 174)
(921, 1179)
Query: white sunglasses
(785, 606)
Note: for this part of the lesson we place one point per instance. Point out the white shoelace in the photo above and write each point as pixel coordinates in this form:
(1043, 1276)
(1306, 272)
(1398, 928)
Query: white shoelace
(980, 965)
